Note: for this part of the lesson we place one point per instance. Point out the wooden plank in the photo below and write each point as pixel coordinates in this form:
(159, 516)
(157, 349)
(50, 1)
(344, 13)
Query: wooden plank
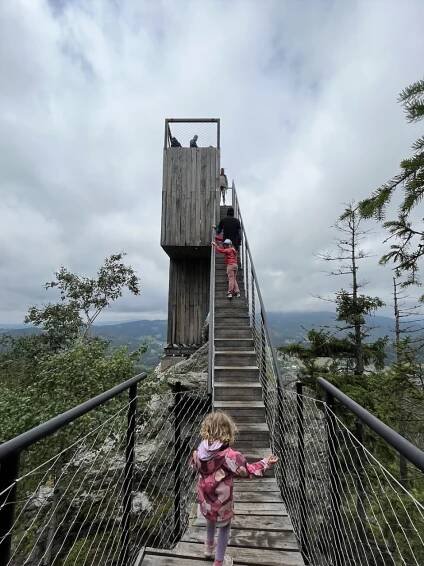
(272, 523)
(259, 497)
(157, 560)
(168, 197)
(189, 198)
(164, 184)
(183, 196)
(255, 481)
(258, 488)
(255, 538)
(264, 557)
(259, 509)
(197, 198)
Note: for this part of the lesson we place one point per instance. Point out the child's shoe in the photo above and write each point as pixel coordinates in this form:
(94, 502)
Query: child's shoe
(228, 561)
(237, 294)
(229, 295)
(209, 552)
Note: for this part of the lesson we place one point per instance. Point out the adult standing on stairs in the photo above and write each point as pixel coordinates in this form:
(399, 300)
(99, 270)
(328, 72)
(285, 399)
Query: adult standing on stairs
(223, 184)
(231, 228)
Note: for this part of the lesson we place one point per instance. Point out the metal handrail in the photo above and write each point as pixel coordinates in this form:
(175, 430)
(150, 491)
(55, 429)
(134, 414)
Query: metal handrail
(211, 336)
(398, 442)
(275, 364)
(19, 443)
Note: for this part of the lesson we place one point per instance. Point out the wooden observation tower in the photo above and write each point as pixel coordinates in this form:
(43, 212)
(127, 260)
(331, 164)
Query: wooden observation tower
(190, 205)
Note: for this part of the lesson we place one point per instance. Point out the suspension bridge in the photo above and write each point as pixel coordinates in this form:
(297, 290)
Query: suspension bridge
(108, 482)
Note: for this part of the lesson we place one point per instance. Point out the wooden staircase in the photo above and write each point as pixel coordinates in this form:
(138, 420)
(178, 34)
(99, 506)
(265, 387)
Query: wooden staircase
(261, 532)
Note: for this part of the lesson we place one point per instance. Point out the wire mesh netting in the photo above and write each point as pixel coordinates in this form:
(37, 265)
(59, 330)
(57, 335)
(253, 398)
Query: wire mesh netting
(184, 133)
(69, 501)
(339, 480)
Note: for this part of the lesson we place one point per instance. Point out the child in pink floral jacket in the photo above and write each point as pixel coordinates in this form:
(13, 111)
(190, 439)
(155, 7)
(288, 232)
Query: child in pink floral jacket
(217, 465)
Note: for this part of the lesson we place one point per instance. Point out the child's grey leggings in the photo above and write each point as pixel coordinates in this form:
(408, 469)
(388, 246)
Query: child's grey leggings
(223, 536)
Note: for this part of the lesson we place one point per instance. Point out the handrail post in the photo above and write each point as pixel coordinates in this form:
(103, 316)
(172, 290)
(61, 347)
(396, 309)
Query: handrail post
(253, 301)
(280, 439)
(129, 474)
(303, 529)
(177, 461)
(359, 479)
(9, 469)
(333, 479)
(263, 366)
(211, 331)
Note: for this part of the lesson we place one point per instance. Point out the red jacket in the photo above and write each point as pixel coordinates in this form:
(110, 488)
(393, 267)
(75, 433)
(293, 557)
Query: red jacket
(218, 466)
(230, 255)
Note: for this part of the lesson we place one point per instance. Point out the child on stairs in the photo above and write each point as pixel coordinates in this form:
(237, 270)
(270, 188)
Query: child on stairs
(218, 464)
(230, 253)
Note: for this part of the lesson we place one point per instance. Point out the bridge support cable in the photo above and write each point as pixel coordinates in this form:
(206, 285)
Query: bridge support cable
(336, 464)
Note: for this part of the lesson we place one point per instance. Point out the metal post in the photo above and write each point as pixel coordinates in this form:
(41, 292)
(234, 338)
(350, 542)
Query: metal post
(9, 469)
(333, 480)
(263, 366)
(129, 474)
(279, 420)
(359, 481)
(246, 282)
(303, 528)
(177, 461)
(253, 301)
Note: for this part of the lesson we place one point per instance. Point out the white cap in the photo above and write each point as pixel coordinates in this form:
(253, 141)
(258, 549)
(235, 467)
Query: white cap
(227, 241)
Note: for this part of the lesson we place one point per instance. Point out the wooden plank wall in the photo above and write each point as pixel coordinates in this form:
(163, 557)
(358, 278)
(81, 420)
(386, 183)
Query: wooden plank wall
(190, 181)
(188, 302)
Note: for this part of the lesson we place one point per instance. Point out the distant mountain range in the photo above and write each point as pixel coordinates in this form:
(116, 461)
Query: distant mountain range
(285, 327)
(293, 326)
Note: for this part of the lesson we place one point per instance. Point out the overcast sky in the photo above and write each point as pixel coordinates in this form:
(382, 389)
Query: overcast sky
(306, 92)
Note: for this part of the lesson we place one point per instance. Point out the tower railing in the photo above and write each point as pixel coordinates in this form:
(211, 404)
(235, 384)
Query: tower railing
(338, 464)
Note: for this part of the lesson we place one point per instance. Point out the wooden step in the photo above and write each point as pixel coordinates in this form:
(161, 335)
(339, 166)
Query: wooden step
(246, 446)
(272, 523)
(235, 316)
(225, 331)
(233, 390)
(252, 432)
(236, 304)
(233, 323)
(250, 556)
(235, 358)
(231, 312)
(233, 373)
(234, 344)
(242, 410)
(284, 540)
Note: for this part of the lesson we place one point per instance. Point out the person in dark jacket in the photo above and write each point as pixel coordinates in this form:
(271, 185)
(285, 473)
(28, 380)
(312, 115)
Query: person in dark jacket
(175, 142)
(231, 228)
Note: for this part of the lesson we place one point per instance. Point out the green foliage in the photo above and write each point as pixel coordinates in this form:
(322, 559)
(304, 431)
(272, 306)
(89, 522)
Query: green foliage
(58, 382)
(409, 241)
(352, 310)
(82, 299)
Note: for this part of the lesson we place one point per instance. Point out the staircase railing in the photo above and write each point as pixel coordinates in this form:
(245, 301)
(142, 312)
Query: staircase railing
(211, 322)
(101, 481)
(337, 463)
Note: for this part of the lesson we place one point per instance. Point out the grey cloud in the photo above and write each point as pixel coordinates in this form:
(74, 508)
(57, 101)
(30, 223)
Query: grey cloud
(306, 94)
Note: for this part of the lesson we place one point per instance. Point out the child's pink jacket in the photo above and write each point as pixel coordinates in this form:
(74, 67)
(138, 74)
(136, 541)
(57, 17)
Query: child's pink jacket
(217, 465)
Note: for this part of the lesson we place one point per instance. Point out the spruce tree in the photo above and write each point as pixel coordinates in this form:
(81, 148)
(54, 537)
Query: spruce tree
(406, 232)
(352, 307)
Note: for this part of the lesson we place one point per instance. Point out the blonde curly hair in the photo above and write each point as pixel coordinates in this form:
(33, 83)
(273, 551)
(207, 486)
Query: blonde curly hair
(218, 426)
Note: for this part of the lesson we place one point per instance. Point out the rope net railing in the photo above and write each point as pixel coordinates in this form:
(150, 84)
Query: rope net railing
(339, 480)
(80, 499)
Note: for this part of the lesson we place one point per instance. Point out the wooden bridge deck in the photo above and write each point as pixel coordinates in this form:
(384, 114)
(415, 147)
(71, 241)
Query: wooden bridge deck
(261, 532)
